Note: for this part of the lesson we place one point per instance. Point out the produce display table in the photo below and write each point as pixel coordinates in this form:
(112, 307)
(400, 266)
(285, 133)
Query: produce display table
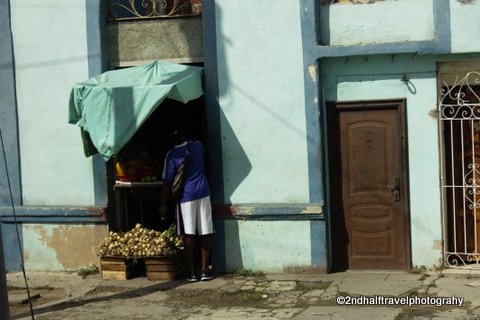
(137, 184)
(129, 193)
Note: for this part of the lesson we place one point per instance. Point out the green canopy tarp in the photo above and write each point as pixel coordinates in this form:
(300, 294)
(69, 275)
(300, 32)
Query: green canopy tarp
(111, 107)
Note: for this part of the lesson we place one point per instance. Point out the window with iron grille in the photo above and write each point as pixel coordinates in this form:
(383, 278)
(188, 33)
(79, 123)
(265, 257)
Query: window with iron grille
(460, 122)
(327, 2)
(145, 9)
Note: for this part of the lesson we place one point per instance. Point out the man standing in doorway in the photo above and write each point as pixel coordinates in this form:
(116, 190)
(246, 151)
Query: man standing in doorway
(193, 212)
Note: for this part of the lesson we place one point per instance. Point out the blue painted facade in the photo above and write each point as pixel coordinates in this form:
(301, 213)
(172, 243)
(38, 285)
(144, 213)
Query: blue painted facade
(14, 214)
(347, 66)
(10, 189)
(8, 115)
(97, 63)
(354, 72)
(251, 203)
(314, 52)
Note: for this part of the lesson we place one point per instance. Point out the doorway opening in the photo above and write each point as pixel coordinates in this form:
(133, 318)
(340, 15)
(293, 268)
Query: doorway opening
(135, 194)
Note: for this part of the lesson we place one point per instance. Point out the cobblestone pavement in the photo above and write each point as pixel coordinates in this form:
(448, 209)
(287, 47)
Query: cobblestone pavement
(348, 295)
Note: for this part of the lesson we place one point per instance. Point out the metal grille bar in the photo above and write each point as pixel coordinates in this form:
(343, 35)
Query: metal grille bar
(118, 10)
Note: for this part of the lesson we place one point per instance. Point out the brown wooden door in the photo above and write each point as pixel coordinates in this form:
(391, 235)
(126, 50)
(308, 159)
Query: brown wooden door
(371, 186)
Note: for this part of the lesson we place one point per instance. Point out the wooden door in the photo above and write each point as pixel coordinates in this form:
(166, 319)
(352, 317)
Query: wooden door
(371, 184)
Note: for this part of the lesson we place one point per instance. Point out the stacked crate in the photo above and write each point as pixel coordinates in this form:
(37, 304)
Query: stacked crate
(166, 268)
(121, 268)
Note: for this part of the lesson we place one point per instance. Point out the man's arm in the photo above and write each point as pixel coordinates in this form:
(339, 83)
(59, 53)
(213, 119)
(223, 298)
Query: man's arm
(167, 186)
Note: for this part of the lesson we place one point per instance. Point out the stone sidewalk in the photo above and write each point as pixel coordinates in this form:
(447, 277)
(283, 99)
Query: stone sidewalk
(383, 295)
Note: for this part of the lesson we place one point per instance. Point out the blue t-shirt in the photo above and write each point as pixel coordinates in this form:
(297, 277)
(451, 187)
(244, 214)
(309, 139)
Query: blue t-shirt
(196, 184)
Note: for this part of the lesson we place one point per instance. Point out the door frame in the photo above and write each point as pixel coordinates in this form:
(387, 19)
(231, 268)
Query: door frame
(338, 251)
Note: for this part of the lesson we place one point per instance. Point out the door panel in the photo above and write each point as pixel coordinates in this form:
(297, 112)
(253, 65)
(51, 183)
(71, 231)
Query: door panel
(371, 188)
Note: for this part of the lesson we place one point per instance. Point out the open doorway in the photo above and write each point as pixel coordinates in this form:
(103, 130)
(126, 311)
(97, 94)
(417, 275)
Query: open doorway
(135, 173)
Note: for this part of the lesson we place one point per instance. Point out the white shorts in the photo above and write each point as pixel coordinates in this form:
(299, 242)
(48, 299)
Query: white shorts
(196, 216)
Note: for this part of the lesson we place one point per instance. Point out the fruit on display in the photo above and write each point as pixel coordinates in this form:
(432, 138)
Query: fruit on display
(141, 242)
(149, 172)
(137, 170)
(120, 169)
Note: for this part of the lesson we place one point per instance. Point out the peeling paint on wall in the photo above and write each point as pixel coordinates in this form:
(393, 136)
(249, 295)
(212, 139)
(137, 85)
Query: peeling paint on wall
(72, 246)
(312, 71)
(433, 113)
(313, 210)
(437, 245)
(467, 1)
(326, 2)
(360, 1)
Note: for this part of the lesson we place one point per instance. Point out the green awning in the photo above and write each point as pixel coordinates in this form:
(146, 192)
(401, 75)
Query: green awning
(111, 107)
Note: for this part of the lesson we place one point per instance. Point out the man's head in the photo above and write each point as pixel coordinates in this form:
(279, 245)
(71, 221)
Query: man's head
(178, 135)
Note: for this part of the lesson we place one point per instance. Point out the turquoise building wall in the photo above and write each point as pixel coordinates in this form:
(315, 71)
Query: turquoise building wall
(269, 69)
(59, 196)
(260, 84)
(261, 169)
(362, 68)
(377, 78)
(379, 22)
(349, 53)
(49, 59)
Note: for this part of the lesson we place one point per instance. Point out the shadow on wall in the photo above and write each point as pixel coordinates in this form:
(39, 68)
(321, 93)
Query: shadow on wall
(324, 27)
(236, 163)
(228, 162)
(228, 251)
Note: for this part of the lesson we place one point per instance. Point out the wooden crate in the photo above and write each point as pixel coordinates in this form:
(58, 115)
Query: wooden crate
(166, 268)
(121, 268)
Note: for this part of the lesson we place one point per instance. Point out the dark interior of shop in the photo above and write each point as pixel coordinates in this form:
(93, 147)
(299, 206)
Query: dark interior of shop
(137, 187)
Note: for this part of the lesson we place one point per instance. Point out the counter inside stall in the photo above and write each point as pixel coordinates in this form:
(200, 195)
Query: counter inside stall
(137, 202)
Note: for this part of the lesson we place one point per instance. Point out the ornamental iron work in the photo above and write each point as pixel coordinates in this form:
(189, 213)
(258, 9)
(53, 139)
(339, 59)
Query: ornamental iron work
(460, 122)
(329, 2)
(118, 10)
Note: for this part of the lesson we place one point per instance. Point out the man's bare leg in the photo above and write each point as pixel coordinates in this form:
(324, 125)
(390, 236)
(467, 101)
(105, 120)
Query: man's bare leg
(189, 245)
(206, 249)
